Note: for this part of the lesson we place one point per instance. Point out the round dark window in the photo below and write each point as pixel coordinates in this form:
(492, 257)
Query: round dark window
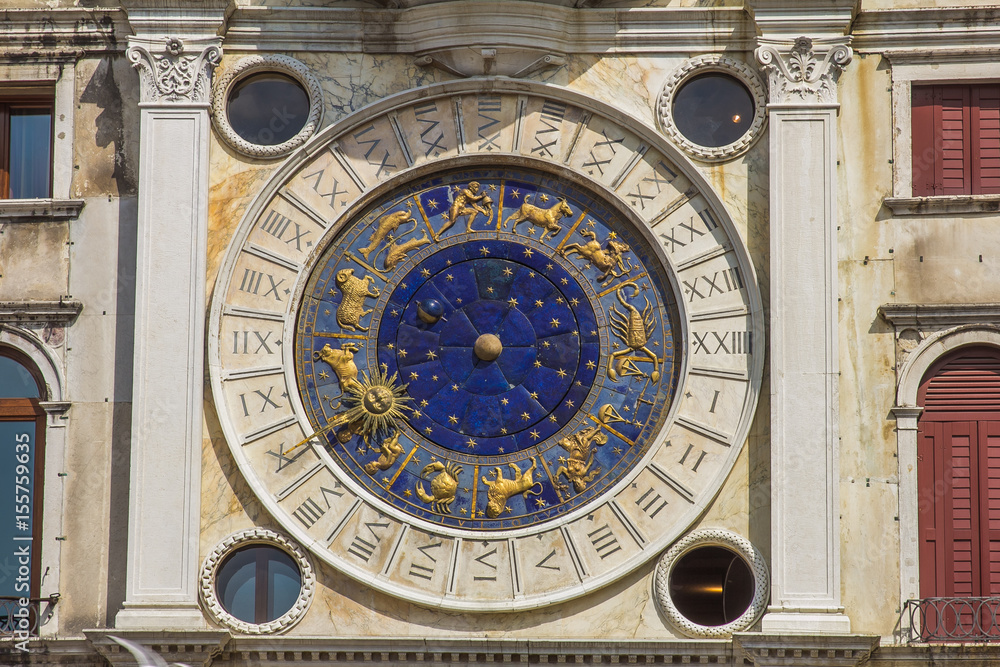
(267, 109)
(713, 110)
(258, 583)
(711, 586)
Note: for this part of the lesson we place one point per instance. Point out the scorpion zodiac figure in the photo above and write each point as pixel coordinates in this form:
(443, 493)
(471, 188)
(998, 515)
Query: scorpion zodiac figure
(443, 486)
(581, 457)
(634, 329)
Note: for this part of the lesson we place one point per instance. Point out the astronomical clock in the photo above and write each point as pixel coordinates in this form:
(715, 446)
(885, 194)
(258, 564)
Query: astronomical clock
(486, 348)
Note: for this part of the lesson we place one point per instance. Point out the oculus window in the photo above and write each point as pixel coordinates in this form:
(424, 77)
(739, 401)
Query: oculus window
(713, 109)
(258, 583)
(26, 146)
(268, 109)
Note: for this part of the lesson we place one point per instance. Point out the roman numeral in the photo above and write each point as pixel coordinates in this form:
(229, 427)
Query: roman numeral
(242, 342)
(651, 503)
(310, 511)
(330, 196)
(671, 235)
(721, 282)
(487, 105)
(697, 462)
(251, 283)
(364, 548)
(423, 571)
(594, 160)
(421, 112)
(604, 541)
(542, 563)
(265, 400)
(283, 460)
(482, 560)
(276, 224)
(723, 342)
(383, 164)
(657, 179)
(552, 117)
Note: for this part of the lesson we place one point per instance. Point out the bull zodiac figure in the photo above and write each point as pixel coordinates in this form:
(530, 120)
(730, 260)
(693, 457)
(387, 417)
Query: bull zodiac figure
(577, 470)
(546, 218)
(468, 202)
(353, 292)
(389, 451)
(634, 329)
(386, 225)
(500, 489)
(342, 363)
(604, 259)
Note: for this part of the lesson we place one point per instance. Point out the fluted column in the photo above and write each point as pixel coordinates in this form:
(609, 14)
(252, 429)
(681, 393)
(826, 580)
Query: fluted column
(164, 496)
(805, 508)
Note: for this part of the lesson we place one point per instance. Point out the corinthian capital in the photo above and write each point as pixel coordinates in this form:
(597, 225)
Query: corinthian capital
(804, 70)
(175, 71)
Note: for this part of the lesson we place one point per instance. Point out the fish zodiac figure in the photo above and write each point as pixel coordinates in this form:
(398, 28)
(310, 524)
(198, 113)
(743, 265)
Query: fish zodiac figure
(577, 470)
(634, 329)
(501, 489)
(604, 259)
(399, 249)
(354, 291)
(546, 218)
(443, 486)
(385, 226)
(389, 451)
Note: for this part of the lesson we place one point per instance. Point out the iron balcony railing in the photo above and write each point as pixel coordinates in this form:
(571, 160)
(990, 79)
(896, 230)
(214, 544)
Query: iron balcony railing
(19, 621)
(951, 620)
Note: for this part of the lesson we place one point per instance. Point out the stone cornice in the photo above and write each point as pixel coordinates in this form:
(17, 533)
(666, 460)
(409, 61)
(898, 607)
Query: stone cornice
(787, 19)
(69, 31)
(62, 311)
(932, 316)
(39, 210)
(507, 24)
(805, 650)
(927, 30)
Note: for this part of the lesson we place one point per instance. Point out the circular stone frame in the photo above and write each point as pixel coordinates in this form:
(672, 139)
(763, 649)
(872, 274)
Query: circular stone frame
(705, 65)
(257, 64)
(249, 537)
(712, 537)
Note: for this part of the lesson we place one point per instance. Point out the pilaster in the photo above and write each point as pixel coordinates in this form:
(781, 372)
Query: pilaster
(165, 478)
(802, 74)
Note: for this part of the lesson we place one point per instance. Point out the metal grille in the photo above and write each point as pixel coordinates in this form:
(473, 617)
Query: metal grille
(951, 620)
(17, 619)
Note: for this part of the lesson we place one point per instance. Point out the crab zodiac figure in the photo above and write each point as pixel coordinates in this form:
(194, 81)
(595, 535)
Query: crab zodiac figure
(443, 486)
(469, 202)
(634, 329)
(581, 457)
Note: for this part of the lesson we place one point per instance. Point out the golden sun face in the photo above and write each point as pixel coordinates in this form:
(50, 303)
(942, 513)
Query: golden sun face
(375, 404)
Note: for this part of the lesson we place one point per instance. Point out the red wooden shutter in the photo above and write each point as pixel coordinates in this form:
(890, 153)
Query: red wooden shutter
(924, 138)
(989, 444)
(954, 163)
(985, 139)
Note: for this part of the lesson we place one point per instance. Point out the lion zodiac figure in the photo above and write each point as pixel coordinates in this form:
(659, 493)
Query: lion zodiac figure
(605, 259)
(501, 489)
(577, 470)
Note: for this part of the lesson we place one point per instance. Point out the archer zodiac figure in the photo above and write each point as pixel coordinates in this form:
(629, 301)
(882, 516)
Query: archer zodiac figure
(634, 329)
(605, 259)
(581, 457)
(468, 202)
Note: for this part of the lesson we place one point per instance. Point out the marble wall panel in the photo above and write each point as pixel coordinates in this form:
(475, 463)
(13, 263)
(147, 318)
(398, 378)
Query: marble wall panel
(34, 261)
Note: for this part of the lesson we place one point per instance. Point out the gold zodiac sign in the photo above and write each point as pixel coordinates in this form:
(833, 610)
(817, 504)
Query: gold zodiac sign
(581, 457)
(386, 225)
(389, 451)
(341, 361)
(398, 251)
(546, 218)
(604, 259)
(443, 486)
(502, 489)
(375, 404)
(469, 202)
(634, 330)
(354, 291)
(607, 414)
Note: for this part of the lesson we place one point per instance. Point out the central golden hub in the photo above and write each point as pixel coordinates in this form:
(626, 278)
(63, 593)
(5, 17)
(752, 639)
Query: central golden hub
(377, 400)
(488, 347)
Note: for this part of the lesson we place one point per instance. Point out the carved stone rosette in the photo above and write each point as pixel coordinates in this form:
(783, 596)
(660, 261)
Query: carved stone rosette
(804, 70)
(175, 71)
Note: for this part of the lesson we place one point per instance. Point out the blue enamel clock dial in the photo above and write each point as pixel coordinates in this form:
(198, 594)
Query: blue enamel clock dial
(487, 349)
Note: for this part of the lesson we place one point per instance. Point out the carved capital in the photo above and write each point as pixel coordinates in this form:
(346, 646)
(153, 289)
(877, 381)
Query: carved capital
(804, 70)
(173, 70)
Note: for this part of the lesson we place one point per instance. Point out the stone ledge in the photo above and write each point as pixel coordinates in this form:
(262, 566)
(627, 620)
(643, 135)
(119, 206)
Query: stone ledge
(63, 311)
(943, 204)
(939, 315)
(192, 647)
(39, 210)
(793, 650)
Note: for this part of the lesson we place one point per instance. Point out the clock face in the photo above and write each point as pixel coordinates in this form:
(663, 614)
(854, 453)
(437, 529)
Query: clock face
(486, 351)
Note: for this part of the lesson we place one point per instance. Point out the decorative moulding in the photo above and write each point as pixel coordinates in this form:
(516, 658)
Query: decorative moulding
(795, 650)
(174, 70)
(804, 71)
(703, 65)
(63, 311)
(209, 571)
(944, 204)
(937, 316)
(515, 63)
(926, 32)
(707, 538)
(256, 64)
(39, 210)
(191, 647)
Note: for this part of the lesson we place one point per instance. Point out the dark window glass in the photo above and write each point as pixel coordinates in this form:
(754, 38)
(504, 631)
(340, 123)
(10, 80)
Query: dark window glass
(258, 584)
(16, 381)
(711, 586)
(268, 109)
(26, 147)
(713, 110)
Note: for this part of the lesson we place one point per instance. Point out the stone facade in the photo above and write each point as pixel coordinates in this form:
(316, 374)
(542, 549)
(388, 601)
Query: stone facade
(116, 286)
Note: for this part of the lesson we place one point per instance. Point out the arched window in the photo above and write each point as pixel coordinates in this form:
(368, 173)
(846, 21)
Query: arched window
(22, 441)
(958, 477)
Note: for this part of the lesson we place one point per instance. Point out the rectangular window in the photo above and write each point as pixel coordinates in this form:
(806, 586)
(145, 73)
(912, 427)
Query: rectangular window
(25, 146)
(955, 133)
